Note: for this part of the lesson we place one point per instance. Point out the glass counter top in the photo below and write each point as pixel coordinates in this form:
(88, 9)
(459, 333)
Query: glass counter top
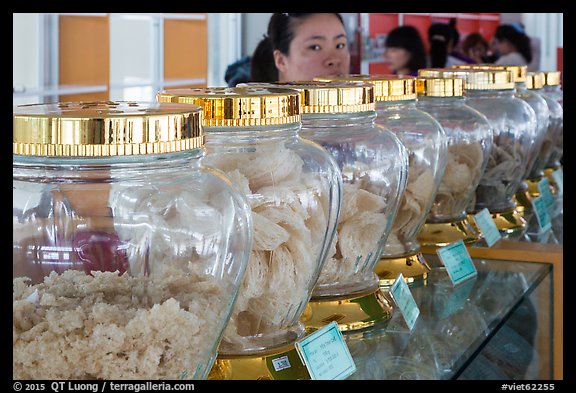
(456, 323)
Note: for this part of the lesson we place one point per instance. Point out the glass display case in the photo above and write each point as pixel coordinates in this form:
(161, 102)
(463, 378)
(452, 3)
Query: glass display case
(497, 325)
(501, 324)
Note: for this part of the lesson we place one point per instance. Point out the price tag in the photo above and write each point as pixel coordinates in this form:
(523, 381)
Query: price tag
(541, 210)
(281, 363)
(558, 176)
(457, 261)
(545, 193)
(325, 354)
(405, 301)
(487, 226)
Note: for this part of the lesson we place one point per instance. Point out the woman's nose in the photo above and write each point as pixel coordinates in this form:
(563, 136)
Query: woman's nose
(332, 62)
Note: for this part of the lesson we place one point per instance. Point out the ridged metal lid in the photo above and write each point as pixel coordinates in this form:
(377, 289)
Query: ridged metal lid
(518, 72)
(240, 106)
(105, 128)
(535, 80)
(474, 79)
(552, 78)
(386, 87)
(440, 87)
(328, 96)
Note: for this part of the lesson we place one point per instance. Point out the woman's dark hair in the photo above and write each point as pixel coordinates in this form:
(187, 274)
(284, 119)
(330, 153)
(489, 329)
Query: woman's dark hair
(407, 37)
(442, 36)
(280, 34)
(517, 38)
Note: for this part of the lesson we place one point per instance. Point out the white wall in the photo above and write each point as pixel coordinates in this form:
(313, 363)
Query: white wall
(224, 44)
(549, 28)
(254, 27)
(25, 46)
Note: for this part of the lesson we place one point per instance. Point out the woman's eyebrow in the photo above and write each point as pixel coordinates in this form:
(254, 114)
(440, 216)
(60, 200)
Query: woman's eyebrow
(321, 37)
(315, 37)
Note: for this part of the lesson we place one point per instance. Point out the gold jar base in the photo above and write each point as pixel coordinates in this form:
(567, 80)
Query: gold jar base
(523, 199)
(441, 234)
(510, 223)
(414, 269)
(279, 364)
(352, 313)
(533, 189)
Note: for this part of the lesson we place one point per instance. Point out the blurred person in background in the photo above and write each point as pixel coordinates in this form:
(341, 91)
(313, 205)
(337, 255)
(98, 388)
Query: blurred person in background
(301, 46)
(475, 46)
(512, 45)
(443, 39)
(405, 52)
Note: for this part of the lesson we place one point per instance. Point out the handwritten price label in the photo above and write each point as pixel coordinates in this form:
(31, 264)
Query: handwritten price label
(457, 261)
(487, 226)
(325, 354)
(545, 193)
(405, 301)
(541, 210)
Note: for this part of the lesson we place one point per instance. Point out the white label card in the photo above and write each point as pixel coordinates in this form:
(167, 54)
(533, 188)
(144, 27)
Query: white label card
(405, 301)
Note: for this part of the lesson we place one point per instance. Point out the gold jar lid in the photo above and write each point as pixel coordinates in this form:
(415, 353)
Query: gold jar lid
(239, 106)
(535, 80)
(440, 87)
(551, 78)
(386, 87)
(474, 79)
(518, 72)
(328, 96)
(105, 128)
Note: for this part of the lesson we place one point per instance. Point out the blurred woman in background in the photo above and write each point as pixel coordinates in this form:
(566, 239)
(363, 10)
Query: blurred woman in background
(475, 46)
(405, 52)
(443, 39)
(512, 46)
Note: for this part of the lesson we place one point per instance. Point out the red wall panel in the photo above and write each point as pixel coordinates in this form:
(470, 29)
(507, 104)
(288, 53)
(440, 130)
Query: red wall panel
(488, 28)
(560, 63)
(382, 23)
(421, 23)
(379, 68)
(467, 26)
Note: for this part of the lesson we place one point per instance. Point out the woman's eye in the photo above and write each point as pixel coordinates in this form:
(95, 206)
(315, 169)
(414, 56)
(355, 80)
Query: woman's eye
(315, 47)
(340, 46)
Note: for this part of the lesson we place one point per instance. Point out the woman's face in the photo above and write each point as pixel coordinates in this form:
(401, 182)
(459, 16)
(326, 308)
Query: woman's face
(503, 47)
(477, 52)
(397, 58)
(319, 48)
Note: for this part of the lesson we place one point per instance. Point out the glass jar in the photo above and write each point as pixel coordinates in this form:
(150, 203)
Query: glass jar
(293, 186)
(128, 252)
(469, 142)
(340, 116)
(535, 82)
(513, 121)
(553, 89)
(427, 146)
(524, 196)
